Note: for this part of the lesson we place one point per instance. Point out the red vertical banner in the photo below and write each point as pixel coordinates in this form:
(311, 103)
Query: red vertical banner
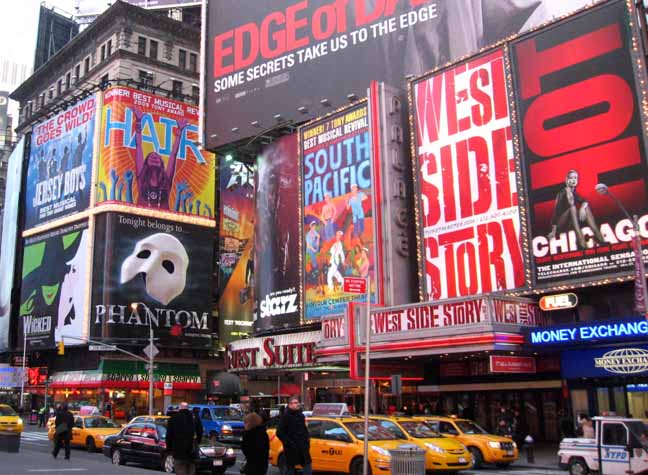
(581, 128)
(467, 181)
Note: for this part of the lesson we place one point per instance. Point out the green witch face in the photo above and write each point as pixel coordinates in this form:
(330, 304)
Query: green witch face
(50, 292)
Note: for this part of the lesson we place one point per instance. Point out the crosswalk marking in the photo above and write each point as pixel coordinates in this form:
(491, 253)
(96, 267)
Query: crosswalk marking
(34, 437)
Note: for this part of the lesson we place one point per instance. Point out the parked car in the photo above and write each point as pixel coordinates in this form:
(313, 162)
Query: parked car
(484, 447)
(220, 423)
(10, 421)
(145, 443)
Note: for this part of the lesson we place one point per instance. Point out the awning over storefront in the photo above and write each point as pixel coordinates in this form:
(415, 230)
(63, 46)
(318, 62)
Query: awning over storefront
(288, 390)
(130, 375)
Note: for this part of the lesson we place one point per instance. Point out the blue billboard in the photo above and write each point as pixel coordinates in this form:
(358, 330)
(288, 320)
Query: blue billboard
(606, 362)
(589, 332)
(60, 164)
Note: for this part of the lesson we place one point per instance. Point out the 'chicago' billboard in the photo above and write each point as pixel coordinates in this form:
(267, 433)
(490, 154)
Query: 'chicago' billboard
(582, 145)
(54, 283)
(149, 156)
(277, 236)
(154, 272)
(269, 57)
(60, 164)
(467, 180)
(337, 194)
(9, 236)
(236, 250)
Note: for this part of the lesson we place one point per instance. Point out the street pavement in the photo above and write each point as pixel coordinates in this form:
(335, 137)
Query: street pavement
(35, 458)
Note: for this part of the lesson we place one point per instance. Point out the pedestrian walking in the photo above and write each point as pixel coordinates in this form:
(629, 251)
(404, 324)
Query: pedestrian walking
(255, 445)
(587, 427)
(294, 436)
(132, 412)
(182, 431)
(63, 430)
(41, 416)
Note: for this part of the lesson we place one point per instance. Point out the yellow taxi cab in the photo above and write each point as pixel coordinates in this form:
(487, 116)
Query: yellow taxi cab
(9, 420)
(484, 447)
(336, 445)
(88, 431)
(441, 453)
(148, 419)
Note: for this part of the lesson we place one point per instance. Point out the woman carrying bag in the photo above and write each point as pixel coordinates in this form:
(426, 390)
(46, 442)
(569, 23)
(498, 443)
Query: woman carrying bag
(255, 445)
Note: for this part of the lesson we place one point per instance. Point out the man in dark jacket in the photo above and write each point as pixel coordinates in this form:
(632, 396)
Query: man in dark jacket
(293, 434)
(181, 431)
(63, 425)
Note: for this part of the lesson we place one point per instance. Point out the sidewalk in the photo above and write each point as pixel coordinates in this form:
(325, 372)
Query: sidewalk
(545, 457)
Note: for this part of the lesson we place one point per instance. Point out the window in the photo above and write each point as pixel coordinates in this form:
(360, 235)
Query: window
(68, 80)
(153, 49)
(86, 66)
(393, 428)
(134, 430)
(146, 77)
(177, 88)
(141, 45)
(78, 423)
(334, 431)
(447, 428)
(182, 59)
(77, 73)
(59, 87)
(193, 62)
(206, 414)
(195, 92)
(109, 48)
(50, 93)
(315, 429)
(41, 99)
(104, 79)
(103, 52)
(614, 434)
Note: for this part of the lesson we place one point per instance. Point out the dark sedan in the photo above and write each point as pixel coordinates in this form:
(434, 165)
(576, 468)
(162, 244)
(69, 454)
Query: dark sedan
(144, 443)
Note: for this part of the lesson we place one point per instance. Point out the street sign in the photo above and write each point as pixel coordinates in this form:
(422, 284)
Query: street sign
(396, 384)
(355, 285)
(151, 351)
(168, 389)
(102, 348)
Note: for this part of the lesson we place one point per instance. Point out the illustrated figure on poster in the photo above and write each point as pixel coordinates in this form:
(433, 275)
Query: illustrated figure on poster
(361, 260)
(337, 261)
(65, 159)
(354, 203)
(313, 244)
(42, 165)
(73, 292)
(77, 158)
(153, 180)
(328, 216)
(52, 166)
(571, 210)
(321, 274)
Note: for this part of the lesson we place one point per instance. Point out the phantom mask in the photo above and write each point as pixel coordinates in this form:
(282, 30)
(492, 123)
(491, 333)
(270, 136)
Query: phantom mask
(162, 261)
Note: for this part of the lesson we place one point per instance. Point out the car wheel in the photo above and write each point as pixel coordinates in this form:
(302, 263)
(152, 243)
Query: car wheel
(356, 467)
(478, 458)
(90, 445)
(167, 464)
(117, 458)
(578, 467)
(502, 465)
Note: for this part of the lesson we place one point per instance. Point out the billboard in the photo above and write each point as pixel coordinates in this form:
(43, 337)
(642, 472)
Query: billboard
(338, 217)
(236, 250)
(582, 146)
(469, 216)
(60, 164)
(268, 57)
(150, 271)
(149, 155)
(54, 282)
(277, 236)
(9, 235)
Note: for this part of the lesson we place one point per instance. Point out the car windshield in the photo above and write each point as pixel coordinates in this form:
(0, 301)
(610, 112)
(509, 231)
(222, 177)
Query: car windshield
(376, 431)
(100, 423)
(228, 413)
(469, 427)
(7, 411)
(420, 430)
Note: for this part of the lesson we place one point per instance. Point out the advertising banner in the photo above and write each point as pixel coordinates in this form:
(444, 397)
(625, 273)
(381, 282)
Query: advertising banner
(467, 181)
(268, 57)
(60, 164)
(337, 193)
(512, 364)
(277, 235)
(149, 155)
(236, 250)
(154, 272)
(54, 283)
(9, 236)
(586, 333)
(293, 350)
(610, 361)
(582, 146)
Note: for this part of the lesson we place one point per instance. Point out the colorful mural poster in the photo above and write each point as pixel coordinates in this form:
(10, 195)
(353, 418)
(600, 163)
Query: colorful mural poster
(54, 282)
(60, 164)
(149, 156)
(337, 196)
(236, 250)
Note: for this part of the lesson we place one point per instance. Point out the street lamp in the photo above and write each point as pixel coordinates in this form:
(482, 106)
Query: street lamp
(151, 356)
(641, 293)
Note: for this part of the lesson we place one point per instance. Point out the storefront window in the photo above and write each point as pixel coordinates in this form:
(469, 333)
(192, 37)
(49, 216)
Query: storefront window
(603, 400)
(619, 401)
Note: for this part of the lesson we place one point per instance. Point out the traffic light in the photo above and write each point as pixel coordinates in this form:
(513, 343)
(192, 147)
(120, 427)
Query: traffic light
(61, 348)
